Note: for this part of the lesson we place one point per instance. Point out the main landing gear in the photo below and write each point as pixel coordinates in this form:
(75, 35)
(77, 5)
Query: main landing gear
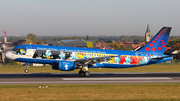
(84, 73)
(81, 72)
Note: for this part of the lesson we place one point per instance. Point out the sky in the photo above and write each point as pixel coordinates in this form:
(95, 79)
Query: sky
(88, 17)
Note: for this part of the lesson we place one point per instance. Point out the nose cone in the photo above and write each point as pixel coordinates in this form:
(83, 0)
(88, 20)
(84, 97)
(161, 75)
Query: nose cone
(9, 55)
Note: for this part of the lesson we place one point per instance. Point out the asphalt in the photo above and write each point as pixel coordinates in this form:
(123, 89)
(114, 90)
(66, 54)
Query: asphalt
(95, 78)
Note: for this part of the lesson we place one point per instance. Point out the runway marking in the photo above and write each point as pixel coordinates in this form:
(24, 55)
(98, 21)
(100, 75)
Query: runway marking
(122, 78)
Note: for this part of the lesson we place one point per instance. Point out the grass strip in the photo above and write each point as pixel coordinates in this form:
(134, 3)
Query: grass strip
(127, 92)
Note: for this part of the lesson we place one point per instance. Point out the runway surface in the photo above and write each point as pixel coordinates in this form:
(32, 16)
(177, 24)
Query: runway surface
(95, 78)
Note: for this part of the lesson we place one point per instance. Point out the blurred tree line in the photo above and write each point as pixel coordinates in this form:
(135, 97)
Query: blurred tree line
(118, 46)
(172, 42)
(32, 38)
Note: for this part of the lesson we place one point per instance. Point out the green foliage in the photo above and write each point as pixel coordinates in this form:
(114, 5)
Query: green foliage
(11, 39)
(118, 46)
(172, 38)
(11, 62)
(32, 37)
(88, 37)
(172, 44)
(40, 42)
(136, 41)
(97, 41)
(120, 38)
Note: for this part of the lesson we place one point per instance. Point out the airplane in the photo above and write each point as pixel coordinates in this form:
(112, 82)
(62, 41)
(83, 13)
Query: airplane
(71, 58)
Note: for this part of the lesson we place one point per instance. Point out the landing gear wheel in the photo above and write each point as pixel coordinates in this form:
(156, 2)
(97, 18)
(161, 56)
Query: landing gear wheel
(26, 70)
(81, 72)
(86, 73)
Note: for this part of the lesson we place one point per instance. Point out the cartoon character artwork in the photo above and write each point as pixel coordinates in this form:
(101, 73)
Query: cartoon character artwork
(135, 59)
(48, 55)
(62, 56)
(144, 60)
(86, 55)
(95, 55)
(73, 55)
(112, 60)
(92, 55)
(80, 55)
(22, 52)
(128, 60)
(117, 60)
(122, 59)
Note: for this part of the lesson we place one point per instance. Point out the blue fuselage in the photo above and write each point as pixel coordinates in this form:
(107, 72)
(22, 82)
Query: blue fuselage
(54, 54)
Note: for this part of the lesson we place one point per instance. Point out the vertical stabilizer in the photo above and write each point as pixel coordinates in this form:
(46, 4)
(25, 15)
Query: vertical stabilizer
(158, 42)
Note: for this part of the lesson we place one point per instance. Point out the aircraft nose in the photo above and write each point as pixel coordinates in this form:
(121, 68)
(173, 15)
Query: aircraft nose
(8, 55)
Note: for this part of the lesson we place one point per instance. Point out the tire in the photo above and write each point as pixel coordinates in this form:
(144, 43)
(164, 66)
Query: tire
(86, 73)
(26, 70)
(81, 72)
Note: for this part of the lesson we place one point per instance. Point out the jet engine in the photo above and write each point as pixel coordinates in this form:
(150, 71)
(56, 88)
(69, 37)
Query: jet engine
(64, 66)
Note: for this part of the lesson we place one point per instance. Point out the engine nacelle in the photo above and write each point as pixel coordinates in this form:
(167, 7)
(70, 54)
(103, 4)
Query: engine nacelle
(64, 66)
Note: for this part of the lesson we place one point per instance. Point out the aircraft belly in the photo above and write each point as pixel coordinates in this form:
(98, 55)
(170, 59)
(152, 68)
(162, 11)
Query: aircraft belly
(119, 65)
(21, 56)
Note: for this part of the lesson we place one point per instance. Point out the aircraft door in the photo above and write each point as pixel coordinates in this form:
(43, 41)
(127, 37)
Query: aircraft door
(29, 51)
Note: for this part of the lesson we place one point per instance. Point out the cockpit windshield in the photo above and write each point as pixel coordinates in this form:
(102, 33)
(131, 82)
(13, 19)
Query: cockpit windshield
(19, 51)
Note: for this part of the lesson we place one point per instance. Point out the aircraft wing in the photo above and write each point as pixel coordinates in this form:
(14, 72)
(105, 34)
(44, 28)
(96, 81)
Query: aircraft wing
(92, 61)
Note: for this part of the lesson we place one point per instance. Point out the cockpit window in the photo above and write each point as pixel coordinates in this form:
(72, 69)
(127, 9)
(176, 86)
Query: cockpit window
(19, 51)
(14, 49)
(22, 51)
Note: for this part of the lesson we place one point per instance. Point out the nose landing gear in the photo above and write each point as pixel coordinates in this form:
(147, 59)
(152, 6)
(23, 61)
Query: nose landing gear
(26, 70)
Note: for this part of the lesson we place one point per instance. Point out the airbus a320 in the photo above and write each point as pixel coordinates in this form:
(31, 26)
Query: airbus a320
(71, 58)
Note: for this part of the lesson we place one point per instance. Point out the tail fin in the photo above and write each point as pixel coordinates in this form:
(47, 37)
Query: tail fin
(158, 42)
